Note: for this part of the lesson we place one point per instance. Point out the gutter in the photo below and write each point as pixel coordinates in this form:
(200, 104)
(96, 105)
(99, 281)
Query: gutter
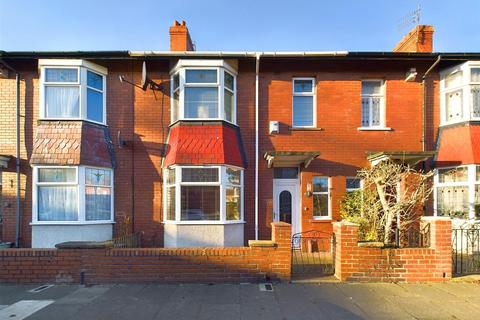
(424, 102)
(257, 69)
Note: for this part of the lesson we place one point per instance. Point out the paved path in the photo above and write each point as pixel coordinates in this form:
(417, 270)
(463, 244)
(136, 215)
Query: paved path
(287, 301)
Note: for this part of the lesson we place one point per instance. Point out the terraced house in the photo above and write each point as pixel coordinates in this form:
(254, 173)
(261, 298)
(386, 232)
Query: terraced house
(201, 148)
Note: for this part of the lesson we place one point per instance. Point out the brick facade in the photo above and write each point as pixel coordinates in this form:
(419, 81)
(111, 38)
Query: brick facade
(356, 263)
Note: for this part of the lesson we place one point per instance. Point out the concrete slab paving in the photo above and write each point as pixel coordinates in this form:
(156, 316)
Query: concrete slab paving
(231, 302)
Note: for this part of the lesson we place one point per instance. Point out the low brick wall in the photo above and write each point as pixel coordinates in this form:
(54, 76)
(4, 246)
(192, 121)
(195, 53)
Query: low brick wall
(354, 263)
(203, 265)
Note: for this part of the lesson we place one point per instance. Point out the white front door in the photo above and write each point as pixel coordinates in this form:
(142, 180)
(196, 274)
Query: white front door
(286, 202)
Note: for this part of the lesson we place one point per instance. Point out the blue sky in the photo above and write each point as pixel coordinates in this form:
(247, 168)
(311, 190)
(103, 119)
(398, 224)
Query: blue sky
(231, 25)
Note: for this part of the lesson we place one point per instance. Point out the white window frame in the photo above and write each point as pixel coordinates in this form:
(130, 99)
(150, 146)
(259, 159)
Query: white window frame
(221, 67)
(80, 184)
(470, 184)
(222, 183)
(381, 95)
(312, 94)
(465, 86)
(82, 67)
(353, 189)
(329, 197)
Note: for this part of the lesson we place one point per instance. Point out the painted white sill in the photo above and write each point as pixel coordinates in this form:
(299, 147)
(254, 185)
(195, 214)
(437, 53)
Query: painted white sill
(204, 222)
(374, 129)
(321, 219)
(73, 119)
(69, 223)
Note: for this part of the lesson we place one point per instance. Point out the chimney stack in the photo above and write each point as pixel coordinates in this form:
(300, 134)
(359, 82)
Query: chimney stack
(180, 38)
(419, 39)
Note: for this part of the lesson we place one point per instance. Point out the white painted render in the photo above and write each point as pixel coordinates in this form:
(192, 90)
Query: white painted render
(47, 236)
(203, 235)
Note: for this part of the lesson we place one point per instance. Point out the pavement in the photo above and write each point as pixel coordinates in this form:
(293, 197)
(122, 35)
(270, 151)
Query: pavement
(324, 300)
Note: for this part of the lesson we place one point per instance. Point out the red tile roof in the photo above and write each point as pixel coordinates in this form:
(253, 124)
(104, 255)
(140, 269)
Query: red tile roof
(71, 143)
(204, 144)
(458, 145)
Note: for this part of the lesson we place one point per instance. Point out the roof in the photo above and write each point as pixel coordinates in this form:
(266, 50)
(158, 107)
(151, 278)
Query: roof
(409, 157)
(290, 158)
(453, 153)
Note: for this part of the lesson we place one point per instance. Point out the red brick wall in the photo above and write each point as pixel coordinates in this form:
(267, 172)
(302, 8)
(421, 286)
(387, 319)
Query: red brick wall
(204, 265)
(354, 263)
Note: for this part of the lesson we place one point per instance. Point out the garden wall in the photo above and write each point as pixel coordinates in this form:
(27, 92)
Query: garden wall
(356, 263)
(261, 260)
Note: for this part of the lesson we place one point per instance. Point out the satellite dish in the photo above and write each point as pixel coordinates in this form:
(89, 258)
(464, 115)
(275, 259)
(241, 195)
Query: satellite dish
(146, 81)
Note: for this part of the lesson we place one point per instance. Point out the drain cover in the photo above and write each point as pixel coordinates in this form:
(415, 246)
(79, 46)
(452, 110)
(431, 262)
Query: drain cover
(265, 287)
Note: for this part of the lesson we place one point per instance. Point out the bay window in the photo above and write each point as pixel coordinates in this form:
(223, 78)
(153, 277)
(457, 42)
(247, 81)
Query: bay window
(457, 191)
(203, 194)
(72, 90)
(72, 194)
(460, 93)
(203, 90)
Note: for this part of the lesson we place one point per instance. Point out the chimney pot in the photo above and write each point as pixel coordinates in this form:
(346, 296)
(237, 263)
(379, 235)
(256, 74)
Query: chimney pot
(180, 37)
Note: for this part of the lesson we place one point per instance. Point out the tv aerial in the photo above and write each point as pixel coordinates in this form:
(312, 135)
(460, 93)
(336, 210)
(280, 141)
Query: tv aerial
(412, 18)
(146, 81)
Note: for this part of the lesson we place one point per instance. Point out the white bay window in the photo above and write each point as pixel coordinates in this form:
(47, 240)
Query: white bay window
(72, 90)
(72, 195)
(206, 194)
(203, 90)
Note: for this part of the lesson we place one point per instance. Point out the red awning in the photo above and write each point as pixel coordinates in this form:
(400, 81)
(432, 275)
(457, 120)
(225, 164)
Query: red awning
(203, 143)
(458, 145)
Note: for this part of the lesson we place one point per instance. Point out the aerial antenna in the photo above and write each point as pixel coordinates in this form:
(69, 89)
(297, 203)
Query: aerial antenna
(412, 18)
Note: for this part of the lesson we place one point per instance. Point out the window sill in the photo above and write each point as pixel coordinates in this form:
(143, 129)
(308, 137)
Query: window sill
(73, 119)
(69, 223)
(204, 222)
(374, 129)
(305, 129)
(322, 219)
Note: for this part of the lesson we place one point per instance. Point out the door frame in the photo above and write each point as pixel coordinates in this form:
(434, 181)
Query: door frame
(293, 184)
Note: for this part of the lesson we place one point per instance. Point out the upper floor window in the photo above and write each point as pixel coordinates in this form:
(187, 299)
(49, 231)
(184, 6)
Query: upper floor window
(203, 90)
(303, 102)
(460, 93)
(373, 105)
(72, 89)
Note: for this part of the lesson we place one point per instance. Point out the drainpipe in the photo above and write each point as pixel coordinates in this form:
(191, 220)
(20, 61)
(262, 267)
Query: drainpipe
(424, 104)
(17, 165)
(257, 68)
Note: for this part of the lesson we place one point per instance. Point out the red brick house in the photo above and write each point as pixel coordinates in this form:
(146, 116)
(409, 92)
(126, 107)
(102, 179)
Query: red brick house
(217, 145)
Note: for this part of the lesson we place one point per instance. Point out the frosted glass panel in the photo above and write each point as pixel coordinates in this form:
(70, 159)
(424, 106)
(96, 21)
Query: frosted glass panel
(56, 175)
(201, 76)
(371, 87)
(61, 75)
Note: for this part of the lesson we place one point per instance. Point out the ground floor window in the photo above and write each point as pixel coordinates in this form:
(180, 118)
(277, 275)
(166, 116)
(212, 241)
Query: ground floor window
(321, 197)
(203, 193)
(72, 194)
(457, 191)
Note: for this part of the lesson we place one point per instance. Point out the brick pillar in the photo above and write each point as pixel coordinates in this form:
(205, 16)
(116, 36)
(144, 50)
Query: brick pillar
(282, 237)
(441, 241)
(346, 239)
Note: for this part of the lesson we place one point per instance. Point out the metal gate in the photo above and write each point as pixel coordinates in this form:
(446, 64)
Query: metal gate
(313, 254)
(466, 250)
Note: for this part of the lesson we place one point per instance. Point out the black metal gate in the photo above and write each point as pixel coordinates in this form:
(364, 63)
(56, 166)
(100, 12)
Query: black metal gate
(313, 254)
(466, 250)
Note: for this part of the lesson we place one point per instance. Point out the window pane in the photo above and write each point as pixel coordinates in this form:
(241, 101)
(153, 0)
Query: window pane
(477, 171)
(170, 205)
(285, 206)
(57, 203)
(320, 205)
(176, 106)
(353, 183)
(201, 76)
(61, 75)
(454, 105)
(452, 201)
(201, 103)
(233, 176)
(200, 203)
(170, 173)
(475, 75)
(200, 174)
(376, 117)
(302, 111)
(94, 80)
(459, 174)
(303, 86)
(371, 87)
(98, 203)
(228, 105)
(285, 173)
(176, 81)
(320, 184)
(233, 203)
(475, 92)
(229, 81)
(94, 105)
(56, 175)
(98, 177)
(62, 102)
(366, 111)
(454, 79)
